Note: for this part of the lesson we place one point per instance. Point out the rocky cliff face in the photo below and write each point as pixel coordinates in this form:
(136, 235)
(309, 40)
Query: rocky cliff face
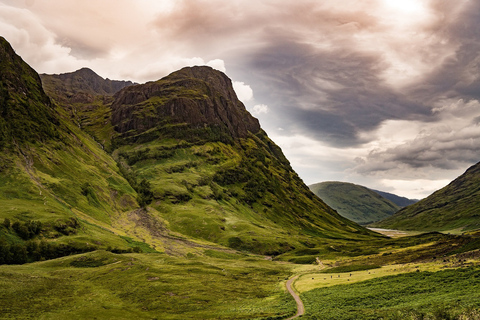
(80, 86)
(197, 96)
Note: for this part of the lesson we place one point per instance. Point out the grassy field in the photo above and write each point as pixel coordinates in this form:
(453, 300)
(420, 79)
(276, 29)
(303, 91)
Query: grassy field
(103, 285)
(446, 294)
(432, 283)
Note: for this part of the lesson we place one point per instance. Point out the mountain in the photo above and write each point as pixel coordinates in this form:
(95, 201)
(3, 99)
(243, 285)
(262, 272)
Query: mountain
(58, 188)
(454, 207)
(27, 113)
(213, 172)
(176, 165)
(399, 201)
(355, 202)
(86, 97)
(82, 85)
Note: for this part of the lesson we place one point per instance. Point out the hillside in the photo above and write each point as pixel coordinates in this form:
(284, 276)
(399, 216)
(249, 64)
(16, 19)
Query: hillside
(213, 172)
(399, 201)
(168, 201)
(354, 202)
(55, 181)
(454, 207)
(187, 168)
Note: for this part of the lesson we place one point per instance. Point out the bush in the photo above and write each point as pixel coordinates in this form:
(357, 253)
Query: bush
(145, 194)
(26, 230)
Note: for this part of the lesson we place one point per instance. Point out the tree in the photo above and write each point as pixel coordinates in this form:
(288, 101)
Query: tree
(145, 194)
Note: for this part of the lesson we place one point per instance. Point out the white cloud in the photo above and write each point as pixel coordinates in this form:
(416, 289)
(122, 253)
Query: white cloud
(244, 92)
(260, 108)
(218, 64)
(414, 189)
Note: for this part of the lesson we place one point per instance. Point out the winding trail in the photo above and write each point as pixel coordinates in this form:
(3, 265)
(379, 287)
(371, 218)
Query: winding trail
(300, 307)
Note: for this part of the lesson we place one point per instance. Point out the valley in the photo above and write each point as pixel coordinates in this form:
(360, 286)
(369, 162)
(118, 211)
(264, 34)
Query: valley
(167, 200)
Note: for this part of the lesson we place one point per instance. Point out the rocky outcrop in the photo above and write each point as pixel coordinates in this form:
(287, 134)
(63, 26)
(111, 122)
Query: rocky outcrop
(81, 86)
(196, 96)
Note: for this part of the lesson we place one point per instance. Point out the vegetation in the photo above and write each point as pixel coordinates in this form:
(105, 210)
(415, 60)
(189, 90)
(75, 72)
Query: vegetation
(113, 207)
(453, 208)
(103, 285)
(355, 202)
(23, 118)
(448, 294)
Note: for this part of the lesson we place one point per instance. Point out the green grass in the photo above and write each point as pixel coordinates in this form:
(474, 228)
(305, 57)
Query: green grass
(103, 285)
(238, 195)
(351, 268)
(355, 202)
(454, 207)
(437, 295)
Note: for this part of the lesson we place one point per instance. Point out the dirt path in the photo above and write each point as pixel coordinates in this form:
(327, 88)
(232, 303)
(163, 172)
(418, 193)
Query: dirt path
(300, 307)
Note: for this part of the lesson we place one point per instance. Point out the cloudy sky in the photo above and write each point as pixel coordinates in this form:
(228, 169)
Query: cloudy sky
(383, 93)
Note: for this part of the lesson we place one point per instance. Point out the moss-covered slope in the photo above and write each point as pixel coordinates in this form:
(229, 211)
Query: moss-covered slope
(60, 193)
(354, 202)
(210, 169)
(455, 206)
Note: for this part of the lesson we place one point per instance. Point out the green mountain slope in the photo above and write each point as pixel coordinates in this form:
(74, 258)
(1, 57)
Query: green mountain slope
(399, 201)
(355, 202)
(58, 188)
(189, 168)
(455, 206)
(26, 113)
(212, 173)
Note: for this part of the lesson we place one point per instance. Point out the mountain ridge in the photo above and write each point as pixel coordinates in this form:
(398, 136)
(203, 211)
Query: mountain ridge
(398, 200)
(176, 184)
(355, 202)
(453, 207)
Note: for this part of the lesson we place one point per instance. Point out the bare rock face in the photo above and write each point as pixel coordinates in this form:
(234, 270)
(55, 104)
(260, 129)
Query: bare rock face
(195, 96)
(80, 86)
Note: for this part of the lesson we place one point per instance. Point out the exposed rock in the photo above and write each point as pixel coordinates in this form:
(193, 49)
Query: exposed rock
(198, 96)
(83, 81)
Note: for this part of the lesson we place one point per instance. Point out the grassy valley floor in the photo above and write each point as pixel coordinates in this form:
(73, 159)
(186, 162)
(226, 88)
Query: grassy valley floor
(430, 276)
(446, 288)
(103, 285)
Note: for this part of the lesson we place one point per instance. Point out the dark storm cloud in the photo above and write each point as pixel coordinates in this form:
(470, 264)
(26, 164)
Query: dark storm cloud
(459, 75)
(452, 92)
(329, 95)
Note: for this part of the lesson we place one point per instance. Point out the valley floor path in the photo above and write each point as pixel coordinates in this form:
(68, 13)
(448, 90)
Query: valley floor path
(300, 307)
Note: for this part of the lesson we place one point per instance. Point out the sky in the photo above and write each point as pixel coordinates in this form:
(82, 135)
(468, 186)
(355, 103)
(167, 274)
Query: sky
(382, 93)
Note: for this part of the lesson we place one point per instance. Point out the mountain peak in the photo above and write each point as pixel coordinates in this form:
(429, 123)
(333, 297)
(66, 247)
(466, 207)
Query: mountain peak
(87, 72)
(81, 85)
(196, 97)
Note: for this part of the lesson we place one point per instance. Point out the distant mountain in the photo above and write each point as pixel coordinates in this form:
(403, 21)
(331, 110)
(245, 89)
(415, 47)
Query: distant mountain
(399, 201)
(81, 85)
(456, 206)
(355, 202)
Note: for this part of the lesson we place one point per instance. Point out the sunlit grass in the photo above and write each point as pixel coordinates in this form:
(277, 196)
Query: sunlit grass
(103, 285)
